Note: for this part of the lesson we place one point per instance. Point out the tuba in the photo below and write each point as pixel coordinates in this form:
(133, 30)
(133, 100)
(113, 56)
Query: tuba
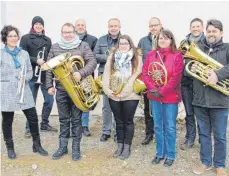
(204, 64)
(84, 94)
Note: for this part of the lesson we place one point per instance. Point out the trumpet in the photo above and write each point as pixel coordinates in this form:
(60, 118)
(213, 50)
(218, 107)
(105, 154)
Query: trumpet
(37, 67)
(21, 83)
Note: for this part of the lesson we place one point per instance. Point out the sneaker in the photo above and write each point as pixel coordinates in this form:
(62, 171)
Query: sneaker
(47, 127)
(27, 134)
(198, 170)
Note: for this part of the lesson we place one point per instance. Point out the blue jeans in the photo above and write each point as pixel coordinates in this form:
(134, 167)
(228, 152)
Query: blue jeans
(187, 96)
(85, 119)
(164, 116)
(47, 105)
(212, 120)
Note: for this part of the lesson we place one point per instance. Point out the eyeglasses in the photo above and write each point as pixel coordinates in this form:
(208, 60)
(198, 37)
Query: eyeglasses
(154, 25)
(124, 44)
(12, 36)
(69, 32)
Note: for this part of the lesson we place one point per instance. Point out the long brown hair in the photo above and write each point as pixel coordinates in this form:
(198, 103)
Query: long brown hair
(168, 34)
(134, 59)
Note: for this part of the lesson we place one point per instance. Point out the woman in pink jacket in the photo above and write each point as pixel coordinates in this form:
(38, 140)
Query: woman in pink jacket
(162, 72)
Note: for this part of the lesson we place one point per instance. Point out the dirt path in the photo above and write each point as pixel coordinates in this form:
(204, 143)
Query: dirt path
(97, 157)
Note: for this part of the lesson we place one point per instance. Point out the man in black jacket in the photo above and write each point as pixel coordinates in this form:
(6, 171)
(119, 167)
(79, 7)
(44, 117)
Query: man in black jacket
(80, 27)
(210, 105)
(147, 44)
(34, 42)
(197, 35)
(101, 51)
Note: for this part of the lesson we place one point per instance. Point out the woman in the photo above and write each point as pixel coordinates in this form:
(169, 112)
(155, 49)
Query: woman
(126, 60)
(37, 42)
(164, 92)
(14, 63)
(68, 112)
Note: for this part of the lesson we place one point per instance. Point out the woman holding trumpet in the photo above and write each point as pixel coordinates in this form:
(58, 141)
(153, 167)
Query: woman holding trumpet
(16, 71)
(126, 60)
(37, 44)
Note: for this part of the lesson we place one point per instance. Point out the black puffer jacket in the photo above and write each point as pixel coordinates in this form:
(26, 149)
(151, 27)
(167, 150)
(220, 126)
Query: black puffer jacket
(82, 50)
(33, 43)
(91, 40)
(206, 96)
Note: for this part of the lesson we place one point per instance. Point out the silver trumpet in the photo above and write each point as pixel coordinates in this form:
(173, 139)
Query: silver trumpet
(40, 55)
(21, 83)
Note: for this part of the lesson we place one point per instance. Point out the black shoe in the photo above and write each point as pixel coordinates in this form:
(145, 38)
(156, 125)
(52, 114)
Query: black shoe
(62, 150)
(105, 137)
(126, 152)
(147, 139)
(75, 150)
(118, 152)
(38, 148)
(156, 160)
(186, 145)
(47, 127)
(168, 163)
(10, 149)
(86, 131)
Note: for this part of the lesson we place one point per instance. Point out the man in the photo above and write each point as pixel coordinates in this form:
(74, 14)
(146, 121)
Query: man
(80, 27)
(34, 42)
(147, 44)
(197, 35)
(211, 106)
(101, 51)
(68, 112)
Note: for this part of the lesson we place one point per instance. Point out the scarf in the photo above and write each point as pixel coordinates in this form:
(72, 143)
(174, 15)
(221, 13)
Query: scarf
(123, 63)
(14, 54)
(81, 36)
(194, 38)
(33, 31)
(74, 43)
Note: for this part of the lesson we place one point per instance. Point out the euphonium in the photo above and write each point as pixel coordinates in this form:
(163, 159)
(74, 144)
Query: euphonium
(204, 64)
(84, 94)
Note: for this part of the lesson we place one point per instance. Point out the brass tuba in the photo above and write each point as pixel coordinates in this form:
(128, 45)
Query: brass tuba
(84, 94)
(204, 64)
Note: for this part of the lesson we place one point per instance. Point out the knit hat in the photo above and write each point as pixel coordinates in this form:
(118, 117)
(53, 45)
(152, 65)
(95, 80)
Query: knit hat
(37, 19)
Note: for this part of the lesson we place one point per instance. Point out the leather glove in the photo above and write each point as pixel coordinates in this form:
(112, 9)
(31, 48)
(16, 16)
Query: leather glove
(155, 93)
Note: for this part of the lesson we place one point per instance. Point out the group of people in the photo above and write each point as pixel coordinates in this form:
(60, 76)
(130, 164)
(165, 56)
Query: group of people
(162, 68)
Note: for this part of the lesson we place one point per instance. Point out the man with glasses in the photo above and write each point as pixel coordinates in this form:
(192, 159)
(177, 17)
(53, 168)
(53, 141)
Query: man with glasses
(68, 112)
(80, 26)
(147, 44)
(101, 51)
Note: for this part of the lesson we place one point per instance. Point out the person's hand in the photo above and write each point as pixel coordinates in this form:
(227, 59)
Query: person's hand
(40, 61)
(212, 79)
(77, 76)
(51, 91)
(155, 93)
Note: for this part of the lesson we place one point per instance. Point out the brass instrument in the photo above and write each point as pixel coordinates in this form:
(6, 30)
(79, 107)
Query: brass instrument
(116, 82)
(21, 83)
(204, 64)
(84, 94)
(38, 67)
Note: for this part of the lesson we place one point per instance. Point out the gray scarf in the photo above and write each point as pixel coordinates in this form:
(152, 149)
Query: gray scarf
(192, 38)
(123, 63)
(81, 36)
(74, 43)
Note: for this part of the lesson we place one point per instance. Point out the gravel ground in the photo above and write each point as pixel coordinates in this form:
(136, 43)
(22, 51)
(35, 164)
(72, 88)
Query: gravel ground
(96, 156)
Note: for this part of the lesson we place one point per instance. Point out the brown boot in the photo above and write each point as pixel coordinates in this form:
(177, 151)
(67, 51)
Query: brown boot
(221, 172)
(198, 170)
